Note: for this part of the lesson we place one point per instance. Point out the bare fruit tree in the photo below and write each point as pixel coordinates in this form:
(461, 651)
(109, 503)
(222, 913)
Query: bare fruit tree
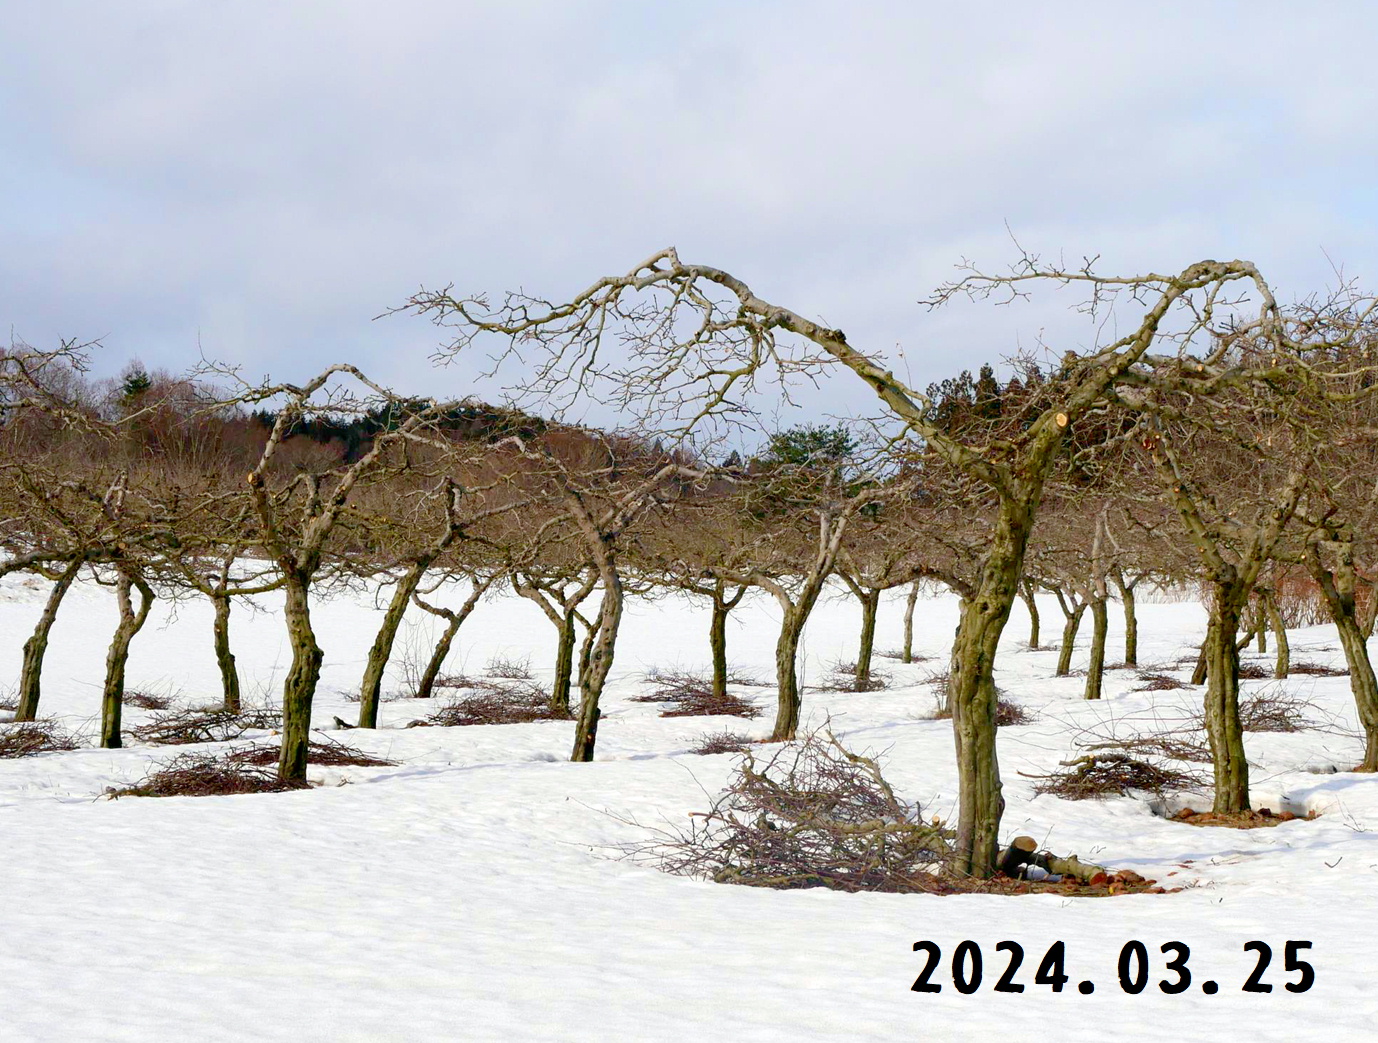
(679, 343)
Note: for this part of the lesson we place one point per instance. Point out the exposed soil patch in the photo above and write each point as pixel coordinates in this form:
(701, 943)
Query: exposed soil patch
(1256, 818)
(1102, 885)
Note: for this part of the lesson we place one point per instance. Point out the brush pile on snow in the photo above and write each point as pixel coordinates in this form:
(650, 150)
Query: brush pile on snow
(813, 815)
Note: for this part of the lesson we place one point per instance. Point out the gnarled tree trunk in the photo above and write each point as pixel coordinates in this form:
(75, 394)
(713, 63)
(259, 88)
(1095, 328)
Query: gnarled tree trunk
(1069, 640)
(1223, 727)
(1131, 619)
(1100, 626)
(595, 674)
(1283, 665)
(787, 698)
(30, 673)
(907, 653)
(1026, 594)
(717, 633)
(370, 691)
(971, 691)
(229, 673)
(299, 689)
(1337, 587)
(870, 608)
(453, 621)
(131, 622)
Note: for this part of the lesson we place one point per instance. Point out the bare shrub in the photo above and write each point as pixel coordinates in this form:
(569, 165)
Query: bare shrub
(1007, 711)
(180, 727)
(1317, 670)
(1272, 711)
(813, 815)
(462, 681)
(206, 775)
(1178, 738)
(509, 668)
(1299, 600)
(1157, 682)
(1177, 745)
(34, 737)
(842, 678)
(736, 675)
(146, 700)
(519, 702)
(692, 696)
(898, 654)
(353, 695)
(671, 684)
(722, 742)
(326, 752)
(939, 680)
(1099, 775)
(706, 704)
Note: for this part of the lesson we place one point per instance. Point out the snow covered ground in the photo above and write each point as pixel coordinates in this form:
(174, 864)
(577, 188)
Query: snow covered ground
(473, 893)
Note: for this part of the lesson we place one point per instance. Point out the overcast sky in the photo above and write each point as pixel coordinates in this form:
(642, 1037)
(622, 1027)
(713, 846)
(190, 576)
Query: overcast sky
(257, 180)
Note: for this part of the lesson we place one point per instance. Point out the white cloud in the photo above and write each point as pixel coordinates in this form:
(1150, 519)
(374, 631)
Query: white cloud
(269, 176)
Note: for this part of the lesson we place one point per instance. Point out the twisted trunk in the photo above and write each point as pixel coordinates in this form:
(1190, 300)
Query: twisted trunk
(586, 649)
(425, 689)
(370, 691)
(1337, 587)
(1131, 620)
(1026, 594)
(1100, 626)
(1069, 640)
(870, 607)
(1283, 665)
(717, 644)
(907, 654)
(299, 689)
(595, 674)
(30, 673)
(787, 699)
(1223, 727)
(1198, 672)
(453, 621)
(131, 622)
(971, 690)
(229, 673)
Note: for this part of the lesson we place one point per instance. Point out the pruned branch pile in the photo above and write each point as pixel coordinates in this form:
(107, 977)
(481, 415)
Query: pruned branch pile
(813, 815)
